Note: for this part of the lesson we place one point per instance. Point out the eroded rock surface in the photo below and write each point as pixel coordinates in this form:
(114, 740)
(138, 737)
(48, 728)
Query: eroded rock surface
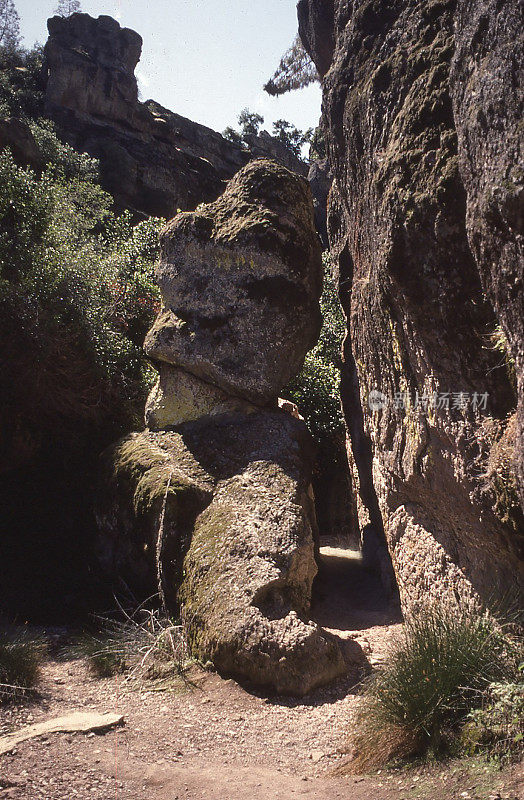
(419, 324)
(240, 282)
(487, 81)
(216, 513)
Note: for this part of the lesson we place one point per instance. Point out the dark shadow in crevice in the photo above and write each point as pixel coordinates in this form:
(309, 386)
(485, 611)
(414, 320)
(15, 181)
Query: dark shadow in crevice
(348, 596)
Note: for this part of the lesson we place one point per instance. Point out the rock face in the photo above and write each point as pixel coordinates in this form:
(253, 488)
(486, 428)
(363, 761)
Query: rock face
(320, 182)
(91, 66)
(266, 146)
(240, 282)
(418, 318)
(216, 513)
(487, 80)
(152, 161)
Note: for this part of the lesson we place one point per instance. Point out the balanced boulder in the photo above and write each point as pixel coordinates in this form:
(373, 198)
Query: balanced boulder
(240, 281)
(212, 505)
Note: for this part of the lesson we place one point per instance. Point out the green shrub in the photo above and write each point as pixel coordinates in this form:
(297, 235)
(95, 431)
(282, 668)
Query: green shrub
(439, 671)
(22, 82)
(21, 654)
(316, 389)
(77, 294)
(496, 730)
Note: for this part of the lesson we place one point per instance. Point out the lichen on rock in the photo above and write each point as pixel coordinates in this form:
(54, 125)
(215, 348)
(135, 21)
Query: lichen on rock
(413, 163)
(216, 505)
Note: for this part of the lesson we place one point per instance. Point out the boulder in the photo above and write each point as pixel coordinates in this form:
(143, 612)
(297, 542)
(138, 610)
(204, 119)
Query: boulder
(219, 513)
(240, 282)
(179, 396)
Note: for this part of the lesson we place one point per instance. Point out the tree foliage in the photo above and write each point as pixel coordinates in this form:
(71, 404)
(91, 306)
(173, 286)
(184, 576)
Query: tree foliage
(250, 123)
(77, 293)
(292, 137)
(67, 7)
(9, 26)
(316, 389)
(295, 71)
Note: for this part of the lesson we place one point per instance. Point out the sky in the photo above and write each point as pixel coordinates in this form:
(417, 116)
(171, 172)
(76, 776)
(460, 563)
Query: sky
(203, 59)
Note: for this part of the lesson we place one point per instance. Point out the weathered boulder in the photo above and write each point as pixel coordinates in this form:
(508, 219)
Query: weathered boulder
(418, 320)
(219, 514)
(487, 79)
(240, 282)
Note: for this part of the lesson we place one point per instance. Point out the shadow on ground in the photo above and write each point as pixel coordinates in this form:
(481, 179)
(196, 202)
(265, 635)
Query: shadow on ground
(349, 597)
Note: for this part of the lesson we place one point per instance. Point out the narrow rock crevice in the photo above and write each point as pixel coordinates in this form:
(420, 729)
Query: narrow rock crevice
(373, 539)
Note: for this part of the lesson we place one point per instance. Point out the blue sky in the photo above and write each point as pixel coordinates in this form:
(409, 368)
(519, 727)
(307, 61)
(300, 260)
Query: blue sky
(204, 59)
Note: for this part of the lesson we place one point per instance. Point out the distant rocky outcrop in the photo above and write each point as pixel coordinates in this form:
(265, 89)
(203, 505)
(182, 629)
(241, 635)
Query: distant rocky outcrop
(152, 160)
(212, 505)
(319, 178)
(421, 108)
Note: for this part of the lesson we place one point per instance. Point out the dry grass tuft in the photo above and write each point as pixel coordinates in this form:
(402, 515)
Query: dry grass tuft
(21, 655)
(146, 647)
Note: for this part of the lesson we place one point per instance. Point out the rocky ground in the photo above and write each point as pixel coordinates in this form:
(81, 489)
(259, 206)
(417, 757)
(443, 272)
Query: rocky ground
(214, 739)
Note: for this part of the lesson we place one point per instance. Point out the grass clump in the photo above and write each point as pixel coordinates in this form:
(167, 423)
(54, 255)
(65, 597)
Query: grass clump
(146, 647)
(21, 655)
(439, 671)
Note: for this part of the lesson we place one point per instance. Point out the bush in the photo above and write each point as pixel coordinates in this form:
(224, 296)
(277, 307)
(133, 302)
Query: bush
(77, 294)
(316, 389)
(496, 730)
(20, 658)
(22, 82)
(439, 671)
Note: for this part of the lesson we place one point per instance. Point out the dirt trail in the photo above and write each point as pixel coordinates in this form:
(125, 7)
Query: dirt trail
(218, 740)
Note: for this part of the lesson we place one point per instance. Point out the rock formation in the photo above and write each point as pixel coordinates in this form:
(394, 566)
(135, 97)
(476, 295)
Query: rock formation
(487, 80)
(212, 505)
(424, 218)
(240, 297)
(151, 160)
(320, 181)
